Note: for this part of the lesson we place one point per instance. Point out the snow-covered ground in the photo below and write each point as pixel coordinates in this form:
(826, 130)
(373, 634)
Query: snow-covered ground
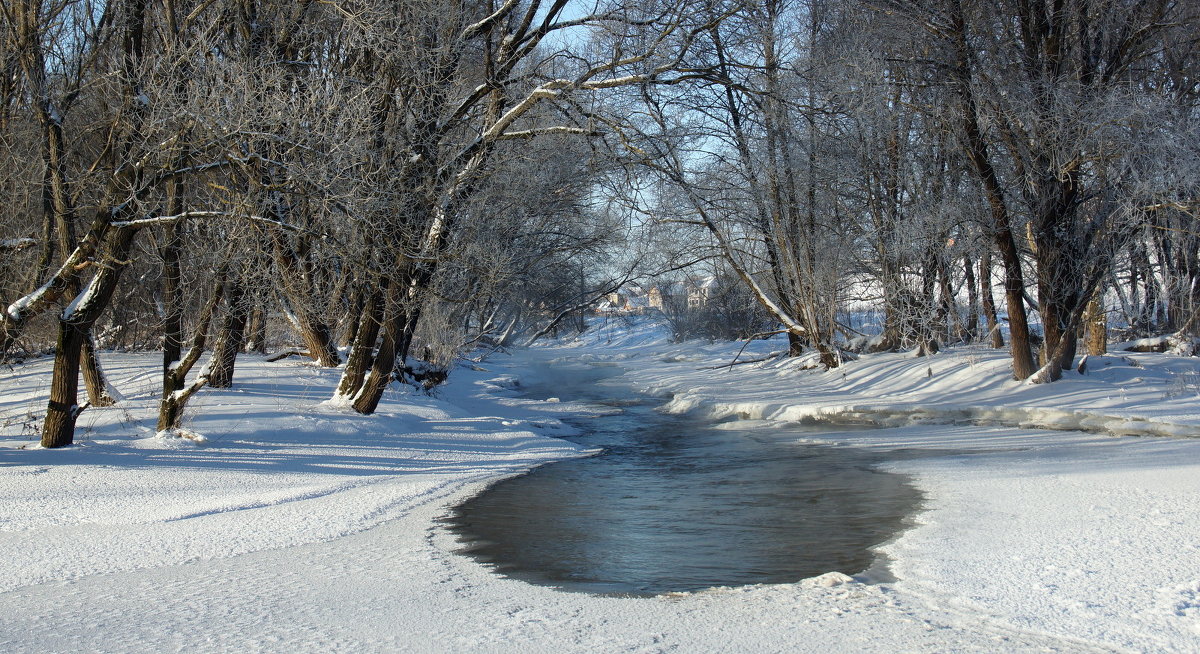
(299, 527)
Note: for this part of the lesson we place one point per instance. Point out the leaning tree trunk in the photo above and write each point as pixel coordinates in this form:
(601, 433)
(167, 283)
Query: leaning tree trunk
(175, 395)
(384, 366)
(299, 293)
(401, 313)
(976, 151)
(76, 321)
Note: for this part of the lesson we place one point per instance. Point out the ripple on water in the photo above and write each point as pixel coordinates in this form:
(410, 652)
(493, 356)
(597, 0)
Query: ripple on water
(675, 504)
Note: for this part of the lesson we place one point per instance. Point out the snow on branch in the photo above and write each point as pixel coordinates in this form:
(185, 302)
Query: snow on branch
(186, 215)
(17, 244)
(556, 129)
(473, 30)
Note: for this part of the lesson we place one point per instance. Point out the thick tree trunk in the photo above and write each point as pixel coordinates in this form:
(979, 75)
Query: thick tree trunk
(299, 291)
(77, 320)
(1014, 295)
(170, 411)
(976, 151)
(229, 343)
(382, 369)
(319, 340)
(795, 344)
(363, 348)
(58, 430)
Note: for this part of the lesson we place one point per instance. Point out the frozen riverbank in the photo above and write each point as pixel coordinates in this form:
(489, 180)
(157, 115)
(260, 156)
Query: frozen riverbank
(300, 528)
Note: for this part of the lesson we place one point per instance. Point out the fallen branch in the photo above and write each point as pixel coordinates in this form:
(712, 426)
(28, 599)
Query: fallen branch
(735, 362)
(753, 337)
(288, 353)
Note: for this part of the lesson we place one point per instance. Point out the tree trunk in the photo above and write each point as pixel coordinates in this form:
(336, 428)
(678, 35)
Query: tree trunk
(971, 329)
(171, 300)
(299, 291)
(384, 366)
(59, 428)
(795, 344)
(1096, 322)
(77, 320)
(257, 330)
(356, 312)
(93, 375)
(175, 396)
(229, 343)
(977, 153)
(319, 341)
(988, 301)
(946, 304)
(363, 347)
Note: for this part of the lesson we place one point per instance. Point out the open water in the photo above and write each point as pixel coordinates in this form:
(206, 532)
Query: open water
(677, 504)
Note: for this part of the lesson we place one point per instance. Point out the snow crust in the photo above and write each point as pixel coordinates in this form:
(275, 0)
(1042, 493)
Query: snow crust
(297, 526)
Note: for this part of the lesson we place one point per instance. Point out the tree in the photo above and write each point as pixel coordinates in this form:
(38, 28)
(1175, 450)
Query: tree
(1049, 106)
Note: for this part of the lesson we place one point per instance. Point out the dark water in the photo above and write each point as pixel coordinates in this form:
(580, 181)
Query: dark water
(676, 504)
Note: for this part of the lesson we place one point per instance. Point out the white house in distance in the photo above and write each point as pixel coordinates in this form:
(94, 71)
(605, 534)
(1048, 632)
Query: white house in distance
(700, 291)
(634, 300)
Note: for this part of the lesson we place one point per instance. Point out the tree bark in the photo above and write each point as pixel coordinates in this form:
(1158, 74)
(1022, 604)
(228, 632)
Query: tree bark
(171, 300)
(971, 329)
(1096, 321)
(383, 367)
(988, 300)
(93, 374)
(298, 289)
(363, 348)
(977, 154)
(257, 330)
(229, 343)
(175, 396)
(58, 429)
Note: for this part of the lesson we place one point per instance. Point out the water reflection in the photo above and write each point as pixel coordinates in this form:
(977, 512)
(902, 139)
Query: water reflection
(674, 504)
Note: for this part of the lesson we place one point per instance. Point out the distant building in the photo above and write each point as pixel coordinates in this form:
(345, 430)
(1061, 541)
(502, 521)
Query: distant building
(692, 293)
(630, 300)
(667, 296)
(701, 291)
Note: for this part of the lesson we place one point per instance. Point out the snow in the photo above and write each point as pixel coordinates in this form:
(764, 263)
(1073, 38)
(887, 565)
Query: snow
(287, 524)
(16, 243)
(82, 301)
(18, 308)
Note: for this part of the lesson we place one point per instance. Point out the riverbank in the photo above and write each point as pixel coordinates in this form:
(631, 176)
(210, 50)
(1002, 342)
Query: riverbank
(297, 527)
